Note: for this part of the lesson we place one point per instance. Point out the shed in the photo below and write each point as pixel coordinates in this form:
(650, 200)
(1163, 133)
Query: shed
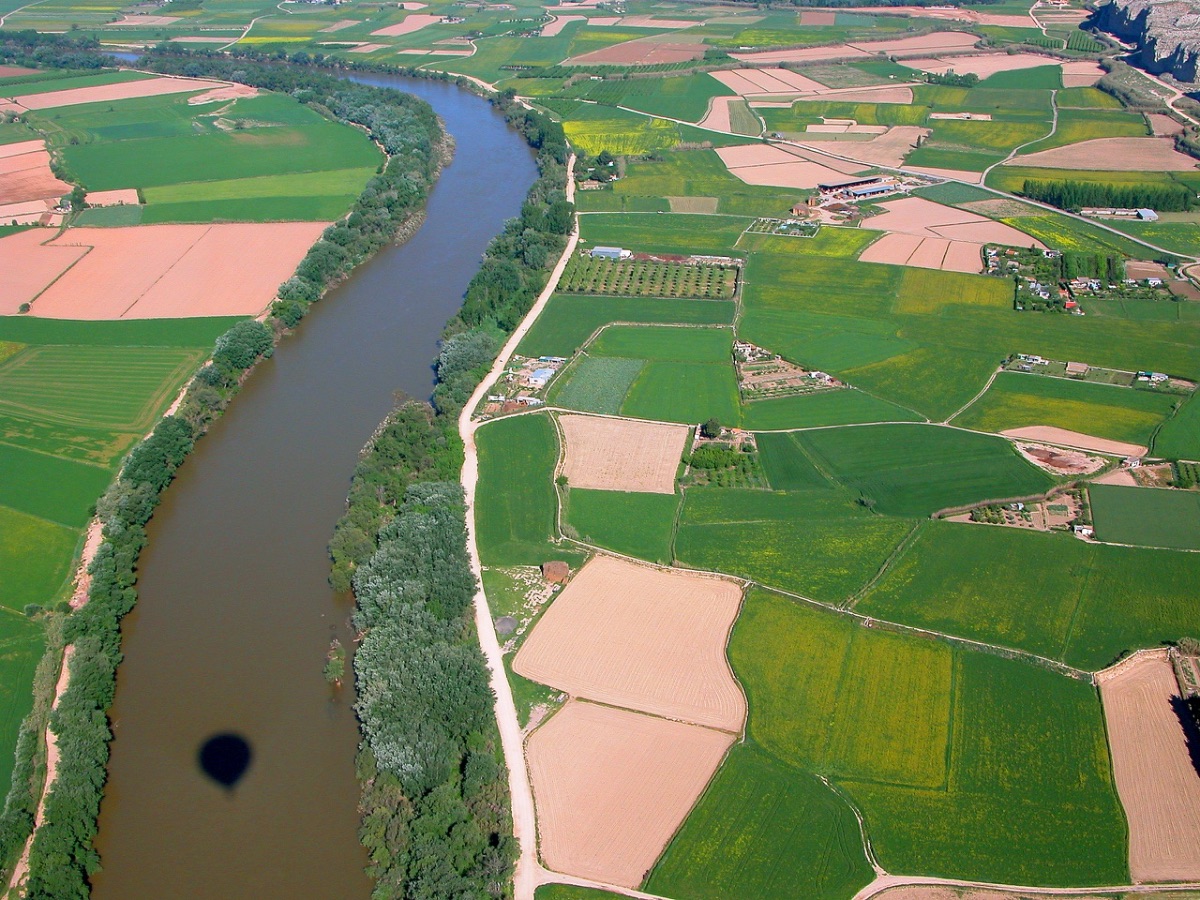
(870, 190)
(610, 253)
(1147, 215)
(1077, 368)
(556, 571)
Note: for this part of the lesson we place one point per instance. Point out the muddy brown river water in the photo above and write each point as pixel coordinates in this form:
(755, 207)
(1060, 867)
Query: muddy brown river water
(235, 616)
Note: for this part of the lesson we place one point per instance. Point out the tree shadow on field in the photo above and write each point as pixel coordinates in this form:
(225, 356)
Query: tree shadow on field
(1191, 730)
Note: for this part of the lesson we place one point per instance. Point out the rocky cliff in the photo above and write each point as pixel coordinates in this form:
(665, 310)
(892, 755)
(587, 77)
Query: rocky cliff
(1165, 32)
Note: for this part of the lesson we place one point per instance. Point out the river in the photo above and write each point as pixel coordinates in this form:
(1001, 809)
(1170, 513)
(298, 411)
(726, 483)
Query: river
(235, 616)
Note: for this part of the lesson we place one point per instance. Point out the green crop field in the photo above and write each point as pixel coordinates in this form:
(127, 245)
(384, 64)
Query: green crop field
(568, 321)
(21, 646)
(764, 830)
(668, 233)
(704, 345)
(514, 527)
(33, 577)
(1109, 411)
(817, 542)
(598, 384)
(648, 279)
(1076, 125)
(677, 97)
(915, 470)
(1086, 98)
(688, 392)
(961, 762)
(1179, 438)
(821, 408)
(638, 525)
(1045, 78)
(571, 892)
(1146, 517)
(1084, 604)
(787, 466)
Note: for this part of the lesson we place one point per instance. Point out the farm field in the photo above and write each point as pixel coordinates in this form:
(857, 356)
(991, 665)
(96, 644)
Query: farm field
(648, 279)
(1146, 517)
(1107, 411)
(994, 784)
(1179, 438)
(820, 409)
(1083, 604)
(639, 525)
(514, 527)
(619, 455)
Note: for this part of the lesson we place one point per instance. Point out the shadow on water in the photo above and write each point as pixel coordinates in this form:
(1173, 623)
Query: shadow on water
(225, 758)
(235, 615)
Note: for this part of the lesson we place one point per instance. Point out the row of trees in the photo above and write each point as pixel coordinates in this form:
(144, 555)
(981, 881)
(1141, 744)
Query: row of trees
(436, 819)
(62, 856)
(1078, 264)
(1075, 195)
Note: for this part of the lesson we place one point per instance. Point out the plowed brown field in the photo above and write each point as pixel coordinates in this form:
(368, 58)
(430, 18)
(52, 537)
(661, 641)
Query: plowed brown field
(622, 455)
(634, 636)
(613, 786)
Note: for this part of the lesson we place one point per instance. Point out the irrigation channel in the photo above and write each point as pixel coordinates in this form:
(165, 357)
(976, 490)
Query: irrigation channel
(235, 616)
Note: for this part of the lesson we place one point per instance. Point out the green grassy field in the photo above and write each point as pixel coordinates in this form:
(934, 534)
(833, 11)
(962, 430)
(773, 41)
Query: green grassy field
(1076, 125)
(701, 345)
(915, 470)
(1146, 517)
(1083, 604)
(763, 830)
(687, 392)
(638, 525)
(1179, 438)
(33, 577)
(960, 762)
(1109, 411)
(568, 321)
(514, 527)
(815, 542)
(821, 408)
(571, 892)
(667, 233)
(21, 646)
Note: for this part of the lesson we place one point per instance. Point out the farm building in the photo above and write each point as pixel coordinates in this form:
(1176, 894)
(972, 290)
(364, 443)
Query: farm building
(540, 378)
(610, 253)
(1077, 368)
(1147, 215)
(837, 187)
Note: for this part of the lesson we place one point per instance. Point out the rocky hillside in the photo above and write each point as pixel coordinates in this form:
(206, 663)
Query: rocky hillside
(1166, 33)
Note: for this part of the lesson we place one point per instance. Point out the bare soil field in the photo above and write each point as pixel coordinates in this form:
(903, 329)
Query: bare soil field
(125, 90)
(983, 65)
(338, 26)
(559, 23)
(27, 176)
(956, 174)
(641, 52)
(912, 46)
(138, 21)
(1051, 435)
(949, 14)
(622, 454)
(29, 266)
(368, 48)
(153, 271)
(885, 94)
(1061, 462)
(1081, 73)
(818, 17)
(717, 116)
(630, 635)
(222, 93)
(612, 787)
(767, 165)
(804, 54)
(1156, 778)
(119, 197)
(924, 218)
(651, 22)
(21, 148)
(30, 212)
(15, 71)
(1120, 154)
(1163, 125)
(888, 148)
(1123, 477)
(841, 166)
(414, 22)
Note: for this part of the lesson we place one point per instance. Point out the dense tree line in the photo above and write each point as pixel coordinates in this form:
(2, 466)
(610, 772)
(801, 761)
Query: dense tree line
(62, 856)
(1076, 195)
(1078, 264)
(436, 819)
(950, 79)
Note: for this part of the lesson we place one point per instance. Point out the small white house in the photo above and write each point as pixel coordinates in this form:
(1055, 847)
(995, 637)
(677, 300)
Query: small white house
(611, 253)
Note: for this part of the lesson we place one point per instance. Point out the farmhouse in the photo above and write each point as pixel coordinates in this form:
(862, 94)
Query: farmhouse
(1077, 369)
(611, 253)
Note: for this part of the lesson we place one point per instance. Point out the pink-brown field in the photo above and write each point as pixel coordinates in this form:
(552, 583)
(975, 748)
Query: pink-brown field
(982, 65)
(956, 174)
(411, 23)
(1061, 436)
(926, 44)
(559, 23)
(717, 117)
(120, 197)
(630, 635)
(924, 218)
(651, 22)
(338, 26)
(25, 175)
(1163, 125)
(152, 271)
(925, 253)
(16, 71)
(612, 787)
(641, 52)
(1155, 776)
(125, 90)
(621, 454)
(1120, 154)
(886, 149)
(1081, 73)
(762, 164)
